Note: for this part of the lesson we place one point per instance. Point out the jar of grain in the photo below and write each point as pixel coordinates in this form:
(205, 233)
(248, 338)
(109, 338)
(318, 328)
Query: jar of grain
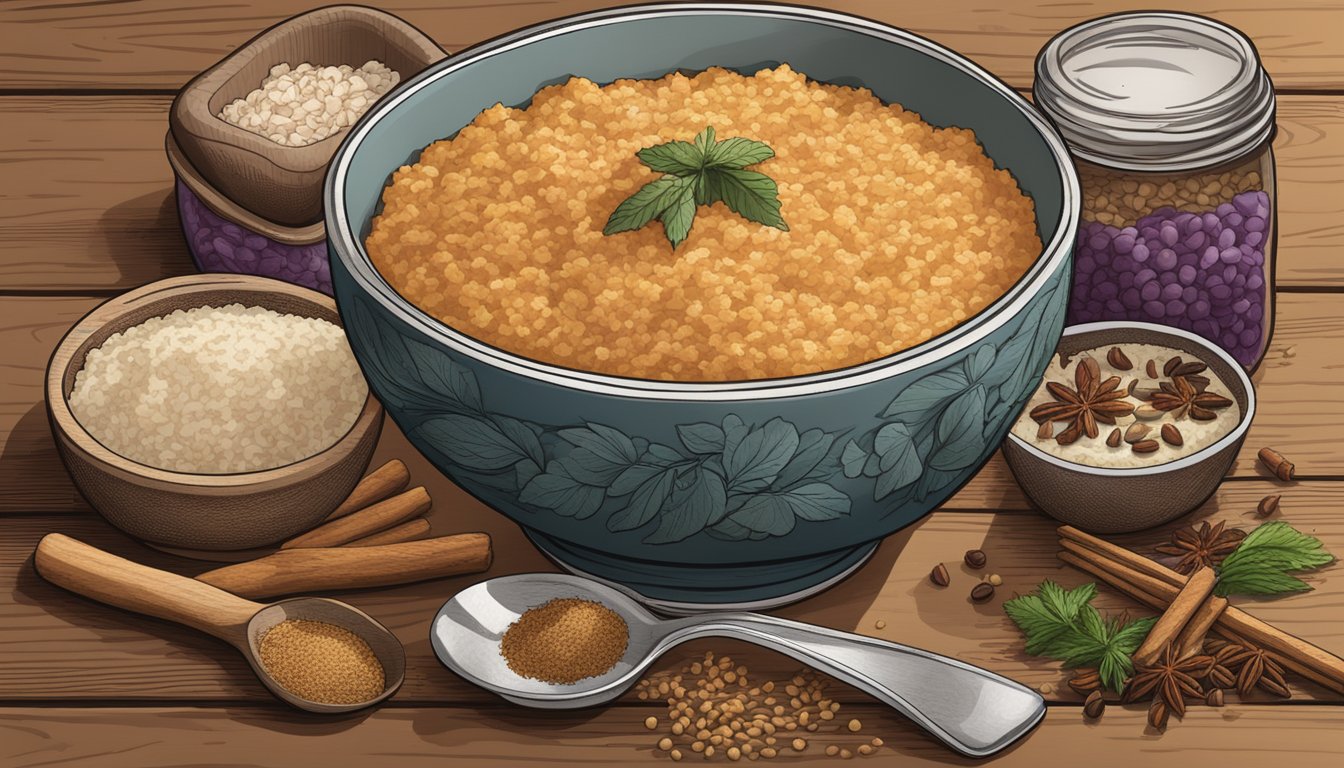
(1170, 118)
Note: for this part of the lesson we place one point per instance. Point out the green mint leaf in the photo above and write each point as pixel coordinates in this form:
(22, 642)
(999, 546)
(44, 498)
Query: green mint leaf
(737, 153)
(751, 195)
(645, 205)
(679, 158)
(701, 172)
(1062, 624)
(1261, 563)
(704, 140)
(1259, 583)
(680, 213)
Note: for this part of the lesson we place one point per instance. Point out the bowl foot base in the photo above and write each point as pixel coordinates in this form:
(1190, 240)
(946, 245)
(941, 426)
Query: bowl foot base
(679, 591)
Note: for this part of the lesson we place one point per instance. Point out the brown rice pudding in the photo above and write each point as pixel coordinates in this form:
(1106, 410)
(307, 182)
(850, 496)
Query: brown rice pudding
(897, 231)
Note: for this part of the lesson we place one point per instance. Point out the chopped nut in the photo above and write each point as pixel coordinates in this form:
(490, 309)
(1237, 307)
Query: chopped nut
(1118, 360)
(1136, 432)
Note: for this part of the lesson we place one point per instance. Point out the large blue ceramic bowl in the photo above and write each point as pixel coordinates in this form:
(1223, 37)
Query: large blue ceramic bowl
(693, 494)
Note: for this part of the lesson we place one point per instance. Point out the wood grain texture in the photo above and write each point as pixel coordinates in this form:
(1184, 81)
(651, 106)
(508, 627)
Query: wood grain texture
(168, 737)
(92, 207)
(1300, 414)
(56, 646)
(162, 44)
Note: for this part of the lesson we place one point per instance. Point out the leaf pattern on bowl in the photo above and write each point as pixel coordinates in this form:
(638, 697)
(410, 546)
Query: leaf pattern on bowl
(731, 480)
(943, 423)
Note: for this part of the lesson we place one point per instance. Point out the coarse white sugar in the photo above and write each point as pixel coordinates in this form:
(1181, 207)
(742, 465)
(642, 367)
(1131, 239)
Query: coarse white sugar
(220, 390)
(303, 105)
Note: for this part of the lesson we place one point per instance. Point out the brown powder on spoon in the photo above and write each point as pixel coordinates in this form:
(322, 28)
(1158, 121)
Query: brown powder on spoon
(321, 662)
(565, 641)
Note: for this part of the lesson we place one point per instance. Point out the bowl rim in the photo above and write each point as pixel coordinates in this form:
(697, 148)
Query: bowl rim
(69, 428)
(1234, 437)
(347, 248)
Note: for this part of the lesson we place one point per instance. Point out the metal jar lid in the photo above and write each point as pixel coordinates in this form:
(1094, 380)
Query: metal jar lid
(1155, 92)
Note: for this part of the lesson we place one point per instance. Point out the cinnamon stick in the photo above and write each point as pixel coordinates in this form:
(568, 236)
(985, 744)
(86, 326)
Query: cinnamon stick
(294, 571)
(1157, 586)
(407, 531)
(1177, 616)
(372, 519)
(1191, 639)
(392, 477)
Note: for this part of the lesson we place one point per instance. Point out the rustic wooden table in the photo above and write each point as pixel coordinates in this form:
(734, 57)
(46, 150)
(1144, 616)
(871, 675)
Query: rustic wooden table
(88, 212)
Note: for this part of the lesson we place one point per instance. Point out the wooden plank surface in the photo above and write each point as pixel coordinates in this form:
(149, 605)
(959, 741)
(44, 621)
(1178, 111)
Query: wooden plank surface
(59, 231)
(169, 737)
(162, 44)
(1301, 413)
(59, 647)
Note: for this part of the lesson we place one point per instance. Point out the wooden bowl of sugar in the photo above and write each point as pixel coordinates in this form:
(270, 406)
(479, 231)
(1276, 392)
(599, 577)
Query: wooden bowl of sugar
(230, 509)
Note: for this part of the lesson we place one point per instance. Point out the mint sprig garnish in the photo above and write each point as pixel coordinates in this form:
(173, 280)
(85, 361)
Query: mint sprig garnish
(1063, 625)
(1261, 564)
(700, 172)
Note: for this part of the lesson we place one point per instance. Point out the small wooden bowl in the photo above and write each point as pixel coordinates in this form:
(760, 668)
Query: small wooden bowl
(278, 183)
(200, 511)
(1124, 500)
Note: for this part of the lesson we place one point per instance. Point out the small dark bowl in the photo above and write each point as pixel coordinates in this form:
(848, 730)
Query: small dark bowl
(1123, 500)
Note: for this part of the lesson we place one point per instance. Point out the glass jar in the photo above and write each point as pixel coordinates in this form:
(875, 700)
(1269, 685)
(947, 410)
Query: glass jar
(1170, 118)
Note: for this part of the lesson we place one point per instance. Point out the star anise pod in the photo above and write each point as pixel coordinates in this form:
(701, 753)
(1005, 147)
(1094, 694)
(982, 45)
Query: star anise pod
(1206, 545)
(1091, 401)
(1169, 680)
(1180, 397)
(1256, 668)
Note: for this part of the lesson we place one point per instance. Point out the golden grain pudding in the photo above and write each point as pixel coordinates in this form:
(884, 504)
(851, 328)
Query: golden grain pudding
(896, 231)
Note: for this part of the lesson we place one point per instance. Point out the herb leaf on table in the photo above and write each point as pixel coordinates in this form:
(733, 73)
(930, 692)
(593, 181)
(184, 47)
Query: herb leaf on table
(698, 173)
(1261, 564)
(1062, 624)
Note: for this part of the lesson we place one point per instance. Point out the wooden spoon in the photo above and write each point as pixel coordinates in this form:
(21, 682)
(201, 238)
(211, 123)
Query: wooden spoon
(118, 582)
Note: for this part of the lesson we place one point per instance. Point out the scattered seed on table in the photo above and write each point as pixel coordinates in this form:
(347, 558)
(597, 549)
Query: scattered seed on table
(976, 558)
(1268, 506)
(665, 743)
(832, 750)
(845, 754)
(939, 575)
(855, 726)
(982, 592)
(1094, 705)
(651, 723)
(1046, 688)
(799, 745)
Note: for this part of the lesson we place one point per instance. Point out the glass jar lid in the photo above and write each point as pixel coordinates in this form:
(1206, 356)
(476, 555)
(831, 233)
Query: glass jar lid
(1155, 91)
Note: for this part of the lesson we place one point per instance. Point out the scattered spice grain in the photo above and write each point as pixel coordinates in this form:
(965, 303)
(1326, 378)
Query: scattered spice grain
(995, 580)
(321, 662)
(565, 641)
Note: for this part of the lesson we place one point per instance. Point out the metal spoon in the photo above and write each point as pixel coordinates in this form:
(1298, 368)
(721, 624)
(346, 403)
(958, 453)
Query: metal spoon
(104, 577)
(973, 711)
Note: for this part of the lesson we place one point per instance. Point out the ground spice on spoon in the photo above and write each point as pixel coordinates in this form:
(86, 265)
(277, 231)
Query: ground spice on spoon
(321, 662)
(565, 641)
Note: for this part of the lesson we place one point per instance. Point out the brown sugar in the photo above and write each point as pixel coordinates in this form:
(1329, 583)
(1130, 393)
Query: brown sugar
(321, 662)
(565, 641)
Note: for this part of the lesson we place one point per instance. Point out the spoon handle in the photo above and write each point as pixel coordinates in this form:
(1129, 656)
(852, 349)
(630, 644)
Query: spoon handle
(972, 710)
(100, 575)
